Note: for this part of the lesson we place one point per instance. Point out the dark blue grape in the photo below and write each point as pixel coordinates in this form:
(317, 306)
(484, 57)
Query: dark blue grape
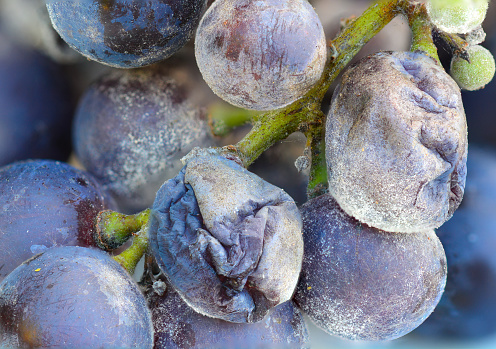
(467, 309)
(43, 204)
(179, 326)
(126, 33)
(36, 109)
(73, 297)
(361, 283)
(131, 129)
(227, 241)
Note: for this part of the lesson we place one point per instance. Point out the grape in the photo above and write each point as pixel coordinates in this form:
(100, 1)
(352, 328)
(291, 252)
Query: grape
(73, 297)
(228, 242)
(36, 108)
(131, 129)
(467, 308)
(260, 54)
(43, 204)
(476, 74)
(126, 33)
(361, 283)
(396, 143)
(457, 16)
(178, 326)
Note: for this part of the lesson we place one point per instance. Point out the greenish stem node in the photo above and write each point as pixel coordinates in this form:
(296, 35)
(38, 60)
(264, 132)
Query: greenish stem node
(421, 30)
(113, 229)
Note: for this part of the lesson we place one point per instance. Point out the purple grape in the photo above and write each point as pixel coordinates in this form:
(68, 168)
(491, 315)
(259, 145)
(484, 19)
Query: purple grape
(46, 203)
(467, 310)
(396, 143)
(73, 297)
(361, 283)
(228, 242)
(179, 326)
(131, 130)
(260, 54)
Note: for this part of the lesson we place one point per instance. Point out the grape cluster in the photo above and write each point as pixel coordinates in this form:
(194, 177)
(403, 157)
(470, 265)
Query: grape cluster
(227, 258)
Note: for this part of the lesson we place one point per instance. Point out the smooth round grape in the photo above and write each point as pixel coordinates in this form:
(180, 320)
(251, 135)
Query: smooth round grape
(228, 242)
(396, 143)
(260, 54)
(467, 310)
(361, 283)
(43, 204)
(126, 33)
(73, 297)
(476, 74)
(131, 129)
(457, 16)
(177, 326)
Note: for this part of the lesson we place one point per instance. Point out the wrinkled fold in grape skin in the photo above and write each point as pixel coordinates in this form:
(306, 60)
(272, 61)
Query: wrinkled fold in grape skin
(361, 283)
(178, 326)
(73, 297)
(396, 143)
(229, 242)
(260, 55)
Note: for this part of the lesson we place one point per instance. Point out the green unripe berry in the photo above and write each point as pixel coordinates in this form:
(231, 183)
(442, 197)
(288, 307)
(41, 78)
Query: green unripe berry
(457, 16)
(476, 74)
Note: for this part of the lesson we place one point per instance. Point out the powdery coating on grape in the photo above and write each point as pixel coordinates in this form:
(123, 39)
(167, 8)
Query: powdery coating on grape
(466, 309)
(43, 204)
(362, 283)
(260, 54)
(457, 16)
(73, 297)
(476, 74)
(179, 326)
(126, 33)
(131, 129)
(228, 242)
(396, 143)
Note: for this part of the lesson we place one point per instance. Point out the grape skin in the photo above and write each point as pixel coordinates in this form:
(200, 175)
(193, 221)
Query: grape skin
(466, 310)
(46, 203)
(126, 33)
(131, 129)
(396, 143)
(260, 54)
(361, 283)
(73, 297)
(179, 326)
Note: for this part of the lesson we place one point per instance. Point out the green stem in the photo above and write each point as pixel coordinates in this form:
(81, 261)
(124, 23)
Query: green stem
(130, 257)
(421, 30)
(224, 117)
(276, 125)
(113, 228)
(317, 181)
